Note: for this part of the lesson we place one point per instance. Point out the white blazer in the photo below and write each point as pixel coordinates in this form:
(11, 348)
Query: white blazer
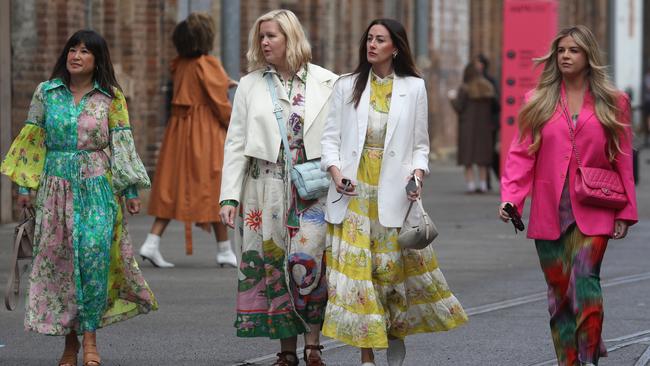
(253, 130)
(406, 146)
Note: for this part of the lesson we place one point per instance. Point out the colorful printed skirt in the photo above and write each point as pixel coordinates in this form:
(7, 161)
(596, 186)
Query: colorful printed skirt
(571, 266)
(269, 301)
(376, 289)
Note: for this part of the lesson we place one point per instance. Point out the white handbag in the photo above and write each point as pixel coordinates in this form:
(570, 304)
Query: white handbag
(420, 235)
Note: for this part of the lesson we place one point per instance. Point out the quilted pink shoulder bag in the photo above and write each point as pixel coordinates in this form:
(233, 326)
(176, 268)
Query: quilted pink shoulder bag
(596, 186)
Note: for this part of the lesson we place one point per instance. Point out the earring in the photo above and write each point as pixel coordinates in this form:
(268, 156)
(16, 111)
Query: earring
(394, 54)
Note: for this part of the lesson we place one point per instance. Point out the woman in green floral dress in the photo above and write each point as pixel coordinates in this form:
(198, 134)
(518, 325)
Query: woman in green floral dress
(76, 151)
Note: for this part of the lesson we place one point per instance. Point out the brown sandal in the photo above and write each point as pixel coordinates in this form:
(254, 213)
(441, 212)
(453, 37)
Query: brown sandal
(314, 358)
(70, 352)
(283, 360)
(91, 356)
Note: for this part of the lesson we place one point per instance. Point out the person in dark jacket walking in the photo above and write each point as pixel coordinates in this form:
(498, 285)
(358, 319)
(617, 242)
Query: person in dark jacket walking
(473, 102)
(482, 63)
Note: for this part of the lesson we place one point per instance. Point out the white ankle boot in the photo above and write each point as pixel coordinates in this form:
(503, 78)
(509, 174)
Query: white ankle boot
(368, 364)
(396, 352)
(225, 255)
(150, 251)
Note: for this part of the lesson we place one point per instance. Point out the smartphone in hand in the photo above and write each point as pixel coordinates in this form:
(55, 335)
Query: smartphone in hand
(411, 186)
(514, 217)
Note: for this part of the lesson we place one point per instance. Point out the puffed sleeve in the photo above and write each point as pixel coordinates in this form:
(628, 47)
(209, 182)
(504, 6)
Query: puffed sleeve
(215, 81)
(26, 157)
(126, 167)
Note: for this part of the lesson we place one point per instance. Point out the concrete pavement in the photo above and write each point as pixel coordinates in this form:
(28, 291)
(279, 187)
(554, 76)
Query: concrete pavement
(493, 272)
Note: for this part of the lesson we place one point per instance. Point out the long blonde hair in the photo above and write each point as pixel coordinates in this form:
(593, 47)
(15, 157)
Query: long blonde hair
(298, 51)
(546, 96)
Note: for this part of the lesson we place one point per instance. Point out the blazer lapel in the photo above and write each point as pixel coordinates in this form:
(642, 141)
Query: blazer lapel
(587, 110)
(362, 115)
(280, 92)
(397, 101)
(317, 94)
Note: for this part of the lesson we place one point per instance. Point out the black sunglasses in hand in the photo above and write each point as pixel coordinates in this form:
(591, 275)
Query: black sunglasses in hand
(515, 218)
(348, 184)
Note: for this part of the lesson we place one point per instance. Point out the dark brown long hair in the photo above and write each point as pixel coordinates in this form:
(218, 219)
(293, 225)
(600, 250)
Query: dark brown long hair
(96, 44)
(403, 63)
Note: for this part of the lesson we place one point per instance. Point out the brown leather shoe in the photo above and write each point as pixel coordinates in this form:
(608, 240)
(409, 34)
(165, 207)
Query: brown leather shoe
(286, 358)
(91, 356)
(314, 358)
(72, 345)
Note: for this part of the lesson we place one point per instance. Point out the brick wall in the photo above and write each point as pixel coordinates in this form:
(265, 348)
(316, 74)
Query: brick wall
(138, 34)
(335, 27)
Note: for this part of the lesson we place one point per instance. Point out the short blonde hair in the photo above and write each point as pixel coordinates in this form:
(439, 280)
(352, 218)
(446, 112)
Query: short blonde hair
(298, 50)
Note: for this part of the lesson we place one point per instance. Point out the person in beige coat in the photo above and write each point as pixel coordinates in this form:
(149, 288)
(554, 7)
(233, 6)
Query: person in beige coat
(282, 289)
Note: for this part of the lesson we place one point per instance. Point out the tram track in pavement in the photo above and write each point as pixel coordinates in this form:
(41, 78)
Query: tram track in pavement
(620, 342)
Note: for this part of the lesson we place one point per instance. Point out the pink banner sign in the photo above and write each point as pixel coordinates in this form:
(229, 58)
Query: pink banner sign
(528, 29)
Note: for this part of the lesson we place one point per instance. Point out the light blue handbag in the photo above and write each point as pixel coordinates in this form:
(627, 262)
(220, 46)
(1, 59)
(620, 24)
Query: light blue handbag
(308, 178)
(310, 181)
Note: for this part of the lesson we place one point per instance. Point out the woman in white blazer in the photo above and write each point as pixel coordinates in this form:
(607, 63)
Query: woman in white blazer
(375, 140)
(282, 289)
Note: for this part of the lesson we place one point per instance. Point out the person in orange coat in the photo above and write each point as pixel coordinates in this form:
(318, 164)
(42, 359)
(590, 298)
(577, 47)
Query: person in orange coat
(188, 174)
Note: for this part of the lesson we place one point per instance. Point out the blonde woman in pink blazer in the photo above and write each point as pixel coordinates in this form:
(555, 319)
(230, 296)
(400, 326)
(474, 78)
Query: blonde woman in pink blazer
(571, 236)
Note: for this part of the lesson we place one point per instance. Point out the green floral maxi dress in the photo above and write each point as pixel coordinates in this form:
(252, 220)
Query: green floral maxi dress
(81, 160)
(377, 290)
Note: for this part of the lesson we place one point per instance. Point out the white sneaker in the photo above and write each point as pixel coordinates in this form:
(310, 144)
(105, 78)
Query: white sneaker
(225, 255)
(470, 187)
(368, 364)
(150, 251)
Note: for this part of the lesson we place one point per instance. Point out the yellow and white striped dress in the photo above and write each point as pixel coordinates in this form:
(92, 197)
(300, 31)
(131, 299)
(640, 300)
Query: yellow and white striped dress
(376, 289)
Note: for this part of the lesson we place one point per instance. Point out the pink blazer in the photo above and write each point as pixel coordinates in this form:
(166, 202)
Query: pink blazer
(543, 174)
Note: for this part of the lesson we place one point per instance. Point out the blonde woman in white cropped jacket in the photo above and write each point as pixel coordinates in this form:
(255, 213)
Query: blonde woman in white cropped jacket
(282, 289)
(375, 140)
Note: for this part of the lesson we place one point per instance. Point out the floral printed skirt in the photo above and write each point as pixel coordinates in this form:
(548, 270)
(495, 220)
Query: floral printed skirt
(84, 275)
(269, 303)
(376, 289)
